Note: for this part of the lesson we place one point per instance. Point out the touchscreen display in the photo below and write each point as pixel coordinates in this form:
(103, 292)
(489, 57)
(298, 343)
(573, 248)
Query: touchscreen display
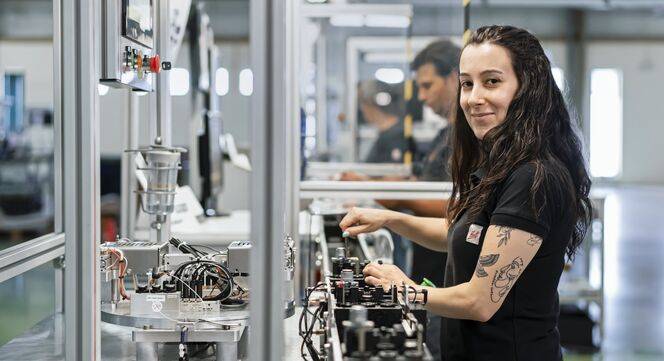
(138, 21)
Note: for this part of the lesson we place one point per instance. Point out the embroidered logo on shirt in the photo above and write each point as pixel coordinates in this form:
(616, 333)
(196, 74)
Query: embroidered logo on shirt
(396, 154)
(474, 234)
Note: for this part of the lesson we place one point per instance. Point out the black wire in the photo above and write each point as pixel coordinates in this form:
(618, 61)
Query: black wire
(215, 266)
(184, 247)
(228, 286)
(306, 337)
(307, 332)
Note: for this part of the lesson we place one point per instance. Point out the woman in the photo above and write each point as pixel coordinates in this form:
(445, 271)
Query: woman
(519, 204)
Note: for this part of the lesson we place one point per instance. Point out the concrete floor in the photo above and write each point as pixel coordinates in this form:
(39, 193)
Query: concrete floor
(634, 285)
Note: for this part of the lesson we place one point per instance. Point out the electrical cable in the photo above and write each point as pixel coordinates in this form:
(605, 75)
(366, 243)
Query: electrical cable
(307, 331)
(185, 283)
(224, 280)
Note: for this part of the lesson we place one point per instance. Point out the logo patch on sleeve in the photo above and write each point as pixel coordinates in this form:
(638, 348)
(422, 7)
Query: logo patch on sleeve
(474, 234)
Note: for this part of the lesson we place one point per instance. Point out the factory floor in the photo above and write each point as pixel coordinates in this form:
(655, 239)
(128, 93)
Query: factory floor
(634, 286)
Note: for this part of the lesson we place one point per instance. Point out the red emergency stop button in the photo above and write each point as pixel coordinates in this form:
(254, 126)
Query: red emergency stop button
(155, 64)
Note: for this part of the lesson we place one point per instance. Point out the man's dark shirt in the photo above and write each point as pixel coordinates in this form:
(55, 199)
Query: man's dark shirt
(433, 168)
(389, 147)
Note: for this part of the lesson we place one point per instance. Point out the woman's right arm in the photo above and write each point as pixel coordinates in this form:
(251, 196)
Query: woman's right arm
(428, 232)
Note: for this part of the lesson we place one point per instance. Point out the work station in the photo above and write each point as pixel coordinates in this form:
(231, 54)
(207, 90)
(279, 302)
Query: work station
(338, 180)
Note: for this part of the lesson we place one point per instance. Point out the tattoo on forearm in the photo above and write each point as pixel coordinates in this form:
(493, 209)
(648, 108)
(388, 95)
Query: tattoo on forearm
(504, 234)
(485, 261)
(504, 279)
(534, 241)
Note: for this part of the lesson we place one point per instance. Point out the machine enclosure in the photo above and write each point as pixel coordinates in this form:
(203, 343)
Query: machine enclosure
(142, 256)
(154, 303)
(239, 257)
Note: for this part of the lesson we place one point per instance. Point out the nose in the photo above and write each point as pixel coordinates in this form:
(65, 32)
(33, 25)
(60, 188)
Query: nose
(421, 95)
(476, 97)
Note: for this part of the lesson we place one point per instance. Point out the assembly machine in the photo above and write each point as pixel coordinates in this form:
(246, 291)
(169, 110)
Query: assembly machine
(345, 319)
(342, 317)
(169, 292)
(185, 301)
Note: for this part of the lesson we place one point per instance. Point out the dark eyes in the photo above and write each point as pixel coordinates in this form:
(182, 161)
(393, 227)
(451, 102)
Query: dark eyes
(490, 82)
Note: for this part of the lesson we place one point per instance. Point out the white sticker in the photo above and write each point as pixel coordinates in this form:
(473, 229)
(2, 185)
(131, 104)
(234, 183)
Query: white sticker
(157, 306)
(474, 234)
(155, 298)
(396, 154)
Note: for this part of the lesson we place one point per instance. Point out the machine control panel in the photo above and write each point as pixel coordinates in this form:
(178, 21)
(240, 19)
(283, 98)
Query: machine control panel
(135, 61)
(128, 58)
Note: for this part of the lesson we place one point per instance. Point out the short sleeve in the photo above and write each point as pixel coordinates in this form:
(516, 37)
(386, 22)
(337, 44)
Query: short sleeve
(514, 208)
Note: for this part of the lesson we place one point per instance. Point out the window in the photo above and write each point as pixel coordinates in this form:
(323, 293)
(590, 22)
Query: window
(390, 75)
(606, 122)
(246, 82)
(559, 77)
(221, 81)
(15, 101)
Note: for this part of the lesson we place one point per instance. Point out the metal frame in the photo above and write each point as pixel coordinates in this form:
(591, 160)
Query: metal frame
(326, 170)
(79, 64)
(327, 11)
(375, 190)
(33, 253)
(321, 93)
(275, 171)
(128, 198)
(28, 255)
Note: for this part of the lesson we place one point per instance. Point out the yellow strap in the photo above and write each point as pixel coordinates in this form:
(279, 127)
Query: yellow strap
(408, 158)
(466, 36)
(408, 126)
(408, 90)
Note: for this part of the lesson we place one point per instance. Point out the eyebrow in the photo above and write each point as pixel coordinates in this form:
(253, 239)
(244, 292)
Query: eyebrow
(489, 71)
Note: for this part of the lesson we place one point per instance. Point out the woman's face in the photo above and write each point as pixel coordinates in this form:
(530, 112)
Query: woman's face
(488, 85)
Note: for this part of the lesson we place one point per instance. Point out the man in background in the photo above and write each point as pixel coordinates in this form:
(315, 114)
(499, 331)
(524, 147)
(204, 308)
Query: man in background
(436, 69)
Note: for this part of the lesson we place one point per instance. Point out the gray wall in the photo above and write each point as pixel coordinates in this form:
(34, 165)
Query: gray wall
(643, 120)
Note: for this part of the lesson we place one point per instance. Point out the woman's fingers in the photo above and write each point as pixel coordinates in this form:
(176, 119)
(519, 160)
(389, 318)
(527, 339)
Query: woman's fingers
(354, 231)
(373, 281)
(350, 219)
(373, 269)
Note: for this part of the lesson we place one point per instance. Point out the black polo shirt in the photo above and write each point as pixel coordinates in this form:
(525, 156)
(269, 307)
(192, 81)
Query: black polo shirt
(525, 326)
(389, 147)
(433, 167)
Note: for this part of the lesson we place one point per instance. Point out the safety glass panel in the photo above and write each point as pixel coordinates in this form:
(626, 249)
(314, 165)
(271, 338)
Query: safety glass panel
(26, 122)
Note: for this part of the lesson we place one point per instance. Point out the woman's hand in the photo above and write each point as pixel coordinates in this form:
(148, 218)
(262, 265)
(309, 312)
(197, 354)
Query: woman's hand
(363, 220)
(385, 274)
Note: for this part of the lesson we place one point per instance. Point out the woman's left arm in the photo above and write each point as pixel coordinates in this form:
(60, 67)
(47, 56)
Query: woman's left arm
(505, 254)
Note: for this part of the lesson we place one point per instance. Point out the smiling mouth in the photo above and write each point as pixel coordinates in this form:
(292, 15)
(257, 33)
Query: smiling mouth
(480, 115)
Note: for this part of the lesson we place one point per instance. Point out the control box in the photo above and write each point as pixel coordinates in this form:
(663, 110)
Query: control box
(128, 33)
(238, 257)
(141, 256)
(155, 303)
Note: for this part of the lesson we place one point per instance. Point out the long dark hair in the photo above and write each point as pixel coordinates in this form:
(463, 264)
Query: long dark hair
(537, 129)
